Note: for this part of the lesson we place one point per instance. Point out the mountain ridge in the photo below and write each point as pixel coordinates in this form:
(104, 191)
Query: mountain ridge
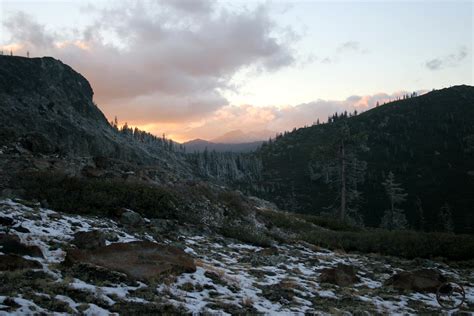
(48, 109)
(238, 136)
(200, 145)
(424, 140)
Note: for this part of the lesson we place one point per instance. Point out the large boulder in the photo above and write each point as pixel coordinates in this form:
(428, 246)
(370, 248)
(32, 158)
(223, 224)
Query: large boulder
(342, 275)
(422, 280)
(11, 244)
(13, 262)
(129, 217)
(140, 260)
(89, 240)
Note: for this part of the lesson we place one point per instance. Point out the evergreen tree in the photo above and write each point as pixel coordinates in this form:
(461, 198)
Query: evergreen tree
(394, 218)
(420, 214)
(445, 219)
(336, 163)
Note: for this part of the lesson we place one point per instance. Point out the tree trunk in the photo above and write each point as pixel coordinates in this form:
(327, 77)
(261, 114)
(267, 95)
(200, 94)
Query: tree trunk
(392, 206)
(342, 213)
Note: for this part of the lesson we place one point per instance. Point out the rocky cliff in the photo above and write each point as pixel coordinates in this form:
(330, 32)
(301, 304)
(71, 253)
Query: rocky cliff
(47, 108)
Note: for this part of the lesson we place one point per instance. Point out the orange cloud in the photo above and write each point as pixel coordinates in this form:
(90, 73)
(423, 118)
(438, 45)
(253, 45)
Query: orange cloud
(15, 48)
(265, 121)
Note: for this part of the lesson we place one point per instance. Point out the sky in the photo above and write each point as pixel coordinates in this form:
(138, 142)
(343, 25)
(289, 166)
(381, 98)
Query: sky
(201, 68)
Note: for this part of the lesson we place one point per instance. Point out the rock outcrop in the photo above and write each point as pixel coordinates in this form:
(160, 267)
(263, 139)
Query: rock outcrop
(13, 263)
(422, 280)
(342, 275)
(140, 260)
(89, 239)
(11, 244)
(47, 109)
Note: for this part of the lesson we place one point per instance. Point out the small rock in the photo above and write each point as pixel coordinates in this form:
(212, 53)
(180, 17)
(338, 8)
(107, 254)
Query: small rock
(342, 275)
(208, 287)
(9, 301)
(111, 236)
(21, 229)
(55, 216)
(13, 262)
(6, 221)
(89, 240)
(422, 280)
(11, 244)
(282, 295)
(272, 251)
(213, 294)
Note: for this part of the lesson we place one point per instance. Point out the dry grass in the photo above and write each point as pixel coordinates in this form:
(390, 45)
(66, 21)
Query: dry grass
(288, 284)
(220, 272)
(247, 302)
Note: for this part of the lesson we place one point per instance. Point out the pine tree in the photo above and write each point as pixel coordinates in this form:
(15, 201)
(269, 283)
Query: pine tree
(394, 218)
(336, 163)
(445, 219)
(421, 215)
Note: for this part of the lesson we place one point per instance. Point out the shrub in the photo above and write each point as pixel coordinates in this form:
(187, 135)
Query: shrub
(99, 196)
(246, 233)
(407, 244)
(235, 202)
(329, 222)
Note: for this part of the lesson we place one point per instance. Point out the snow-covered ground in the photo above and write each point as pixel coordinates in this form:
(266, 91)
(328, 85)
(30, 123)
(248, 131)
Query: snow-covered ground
(231, 277)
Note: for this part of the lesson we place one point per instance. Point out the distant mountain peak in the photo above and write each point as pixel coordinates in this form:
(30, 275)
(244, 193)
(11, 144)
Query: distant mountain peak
(239, 136)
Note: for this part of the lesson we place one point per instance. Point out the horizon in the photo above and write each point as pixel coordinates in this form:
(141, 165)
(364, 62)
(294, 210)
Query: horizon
(272, 66)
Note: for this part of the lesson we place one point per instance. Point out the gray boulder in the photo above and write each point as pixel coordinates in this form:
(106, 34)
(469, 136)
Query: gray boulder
(89, 240)
(131, 218)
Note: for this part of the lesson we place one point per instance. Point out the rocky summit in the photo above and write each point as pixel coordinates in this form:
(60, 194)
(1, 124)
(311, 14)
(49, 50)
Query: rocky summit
(49, 121)
(49, 107)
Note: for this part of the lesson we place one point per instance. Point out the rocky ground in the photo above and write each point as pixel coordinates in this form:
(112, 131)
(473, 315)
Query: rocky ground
(70, 264)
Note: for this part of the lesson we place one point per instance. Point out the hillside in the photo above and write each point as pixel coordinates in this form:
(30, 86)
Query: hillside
(47, 108)
(77, 264)
(426, 141)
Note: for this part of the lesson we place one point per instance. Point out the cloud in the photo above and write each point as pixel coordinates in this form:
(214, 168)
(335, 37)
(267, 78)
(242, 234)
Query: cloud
(273, 119)
(163, 61)
(451, 60)
(28, 32)
(349, 46)
(343, 49)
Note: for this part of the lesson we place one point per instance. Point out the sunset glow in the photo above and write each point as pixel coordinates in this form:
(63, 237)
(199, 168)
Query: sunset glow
(253, 66)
